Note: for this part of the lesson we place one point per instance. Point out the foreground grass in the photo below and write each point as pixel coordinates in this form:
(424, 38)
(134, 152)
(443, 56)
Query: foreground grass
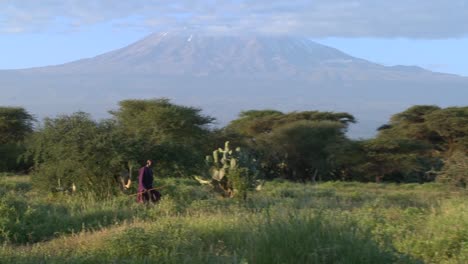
(283, 223)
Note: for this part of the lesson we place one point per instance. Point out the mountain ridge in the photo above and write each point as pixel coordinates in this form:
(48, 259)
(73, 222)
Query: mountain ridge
(265, 56)
(226, 74)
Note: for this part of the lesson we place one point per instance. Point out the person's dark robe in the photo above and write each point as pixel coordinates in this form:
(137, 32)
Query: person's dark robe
(145, 184)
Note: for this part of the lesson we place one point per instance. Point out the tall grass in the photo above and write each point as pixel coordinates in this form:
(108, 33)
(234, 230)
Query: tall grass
(284, 223)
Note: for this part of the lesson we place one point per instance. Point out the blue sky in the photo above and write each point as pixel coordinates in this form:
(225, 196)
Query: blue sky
(428, 33)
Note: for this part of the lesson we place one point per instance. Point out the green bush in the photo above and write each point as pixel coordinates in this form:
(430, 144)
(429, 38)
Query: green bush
(455, 170)
(74, 150)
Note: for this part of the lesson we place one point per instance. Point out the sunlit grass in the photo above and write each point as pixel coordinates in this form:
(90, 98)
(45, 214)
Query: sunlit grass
(286, 222)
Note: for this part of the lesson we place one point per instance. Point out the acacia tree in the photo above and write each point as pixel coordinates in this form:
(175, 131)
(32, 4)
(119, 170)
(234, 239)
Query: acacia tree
(253, 123)
(293, 145)
(345, 158)
(455, 170)
(451, 125)
(399, 145)
(15, 125)
(443, 131)
(172, 134)
(300, 149)
(74, 151)
(386, 156)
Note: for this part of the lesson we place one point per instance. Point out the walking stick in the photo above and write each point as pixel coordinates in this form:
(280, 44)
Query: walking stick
(157, 188)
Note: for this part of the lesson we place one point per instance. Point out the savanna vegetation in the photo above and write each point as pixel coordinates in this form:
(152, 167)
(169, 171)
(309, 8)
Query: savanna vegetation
(270, 187)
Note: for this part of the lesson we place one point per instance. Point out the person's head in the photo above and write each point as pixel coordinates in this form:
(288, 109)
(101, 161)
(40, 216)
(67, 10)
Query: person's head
(149, 163)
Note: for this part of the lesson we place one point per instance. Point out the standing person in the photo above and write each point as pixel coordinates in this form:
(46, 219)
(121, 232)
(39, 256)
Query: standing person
(145, 184)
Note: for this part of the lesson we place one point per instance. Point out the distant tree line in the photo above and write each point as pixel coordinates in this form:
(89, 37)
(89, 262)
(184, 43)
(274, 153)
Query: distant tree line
(421, 144)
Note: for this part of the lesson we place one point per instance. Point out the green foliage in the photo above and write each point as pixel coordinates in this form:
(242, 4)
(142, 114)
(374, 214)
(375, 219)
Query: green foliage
(15, 125)
(451, 124)
(412, 123)
(300, 150)
(455, 171)
(243, 180)
(171, 134)
(295, 145)
(254, 122)
(10, 157)
(74, 150)
(345, 159)
(334, 222)
(158, 120)
(443, 130)
(257, 122)
(386, 156)
(232, 172)
(23, 221)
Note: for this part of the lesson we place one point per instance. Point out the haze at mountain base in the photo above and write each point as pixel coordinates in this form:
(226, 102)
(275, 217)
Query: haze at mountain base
(227, 74)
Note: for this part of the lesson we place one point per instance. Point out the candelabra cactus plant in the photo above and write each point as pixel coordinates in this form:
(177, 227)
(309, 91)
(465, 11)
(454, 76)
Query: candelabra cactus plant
(232, 171)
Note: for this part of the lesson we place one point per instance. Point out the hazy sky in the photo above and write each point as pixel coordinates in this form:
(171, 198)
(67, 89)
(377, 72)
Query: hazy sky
(429, 33)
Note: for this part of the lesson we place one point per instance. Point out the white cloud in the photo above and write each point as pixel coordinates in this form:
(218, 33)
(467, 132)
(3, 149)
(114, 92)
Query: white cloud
(316, 18)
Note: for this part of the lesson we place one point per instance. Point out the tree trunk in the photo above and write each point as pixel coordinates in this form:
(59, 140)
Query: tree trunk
(314, 177)
(378, 179)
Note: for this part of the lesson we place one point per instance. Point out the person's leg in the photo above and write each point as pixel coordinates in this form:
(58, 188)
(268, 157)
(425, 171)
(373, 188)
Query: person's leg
(155, 196)
(146, 196)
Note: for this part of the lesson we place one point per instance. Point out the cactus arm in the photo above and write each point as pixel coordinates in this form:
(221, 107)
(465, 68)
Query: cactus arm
(201, 181)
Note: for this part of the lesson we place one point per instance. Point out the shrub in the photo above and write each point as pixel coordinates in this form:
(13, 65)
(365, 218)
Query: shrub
(455, 170)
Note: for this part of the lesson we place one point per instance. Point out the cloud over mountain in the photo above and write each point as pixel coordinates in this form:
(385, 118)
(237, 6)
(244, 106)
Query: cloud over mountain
(430, 19)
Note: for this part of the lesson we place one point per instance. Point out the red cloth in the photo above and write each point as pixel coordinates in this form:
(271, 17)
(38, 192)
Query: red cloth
(145, 184)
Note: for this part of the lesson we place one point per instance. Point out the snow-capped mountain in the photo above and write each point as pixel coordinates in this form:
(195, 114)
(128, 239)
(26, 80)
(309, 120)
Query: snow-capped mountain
(227, 74)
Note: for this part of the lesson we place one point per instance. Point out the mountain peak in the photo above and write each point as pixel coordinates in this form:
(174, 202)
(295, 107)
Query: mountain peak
(189, 52)
(225, 74)
(198, 53)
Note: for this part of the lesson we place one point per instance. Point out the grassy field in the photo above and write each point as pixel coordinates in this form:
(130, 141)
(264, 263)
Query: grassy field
(334, 222)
